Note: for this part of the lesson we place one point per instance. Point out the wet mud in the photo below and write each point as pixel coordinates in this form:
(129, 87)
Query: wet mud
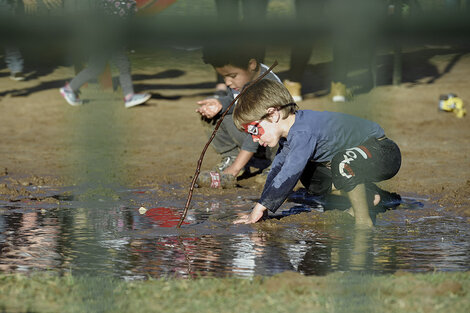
(123, 232)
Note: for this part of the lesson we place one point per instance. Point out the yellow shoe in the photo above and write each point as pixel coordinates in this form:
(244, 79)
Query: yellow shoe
(295, 89)
(338, 92)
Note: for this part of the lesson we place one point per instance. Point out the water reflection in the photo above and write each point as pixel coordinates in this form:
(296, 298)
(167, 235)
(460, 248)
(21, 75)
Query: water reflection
(28, 241)
(111, 239)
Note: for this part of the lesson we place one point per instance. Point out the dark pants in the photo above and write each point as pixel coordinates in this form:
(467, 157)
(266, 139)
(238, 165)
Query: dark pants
(306, 10)
(355, 27)
(317, 179)
(373, 161)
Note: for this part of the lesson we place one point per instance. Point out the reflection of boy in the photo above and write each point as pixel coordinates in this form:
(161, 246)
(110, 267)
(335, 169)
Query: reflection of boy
(238, 67)
(327, 151)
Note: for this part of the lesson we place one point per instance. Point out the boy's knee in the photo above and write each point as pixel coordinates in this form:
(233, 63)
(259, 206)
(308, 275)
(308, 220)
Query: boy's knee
(346, 168)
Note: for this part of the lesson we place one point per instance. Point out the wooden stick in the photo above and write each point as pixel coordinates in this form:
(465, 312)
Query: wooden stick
(199, 162)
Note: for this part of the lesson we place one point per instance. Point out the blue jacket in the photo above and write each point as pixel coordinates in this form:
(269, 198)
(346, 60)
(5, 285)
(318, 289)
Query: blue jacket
(314, 137)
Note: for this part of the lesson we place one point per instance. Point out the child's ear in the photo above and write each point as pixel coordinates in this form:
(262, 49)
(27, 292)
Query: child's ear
(252, 65)
(273, 114)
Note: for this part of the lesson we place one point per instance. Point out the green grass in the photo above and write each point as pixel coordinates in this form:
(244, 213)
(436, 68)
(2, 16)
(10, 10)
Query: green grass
(287, 292)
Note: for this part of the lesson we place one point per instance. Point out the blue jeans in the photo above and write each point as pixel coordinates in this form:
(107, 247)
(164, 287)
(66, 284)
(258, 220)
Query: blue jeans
(13, 59)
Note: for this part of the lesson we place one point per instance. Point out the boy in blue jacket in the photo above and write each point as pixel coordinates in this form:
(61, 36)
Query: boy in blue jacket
(326, 151)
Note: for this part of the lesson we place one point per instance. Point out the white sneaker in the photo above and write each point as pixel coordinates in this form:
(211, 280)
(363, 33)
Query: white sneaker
(136, 99)
(70, 96)
(18, 76)
(339, 92)
(338, 99)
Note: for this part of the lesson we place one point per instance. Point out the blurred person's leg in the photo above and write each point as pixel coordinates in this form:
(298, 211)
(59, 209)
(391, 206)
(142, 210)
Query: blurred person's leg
(355, 26)
(13, 57)
(227, 12)
(306, 11)
(121, 61)
(96, 65)
(14, 62)
(254, 13)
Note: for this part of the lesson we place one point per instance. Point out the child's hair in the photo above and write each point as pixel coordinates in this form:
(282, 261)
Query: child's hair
(256, 99)
(222, 55)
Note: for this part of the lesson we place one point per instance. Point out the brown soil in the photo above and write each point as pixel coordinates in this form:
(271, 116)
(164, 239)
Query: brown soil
(46, 141)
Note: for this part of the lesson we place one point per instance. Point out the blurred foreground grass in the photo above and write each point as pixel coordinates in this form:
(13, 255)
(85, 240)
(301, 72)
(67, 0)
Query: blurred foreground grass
(286, 292)
(275, 8)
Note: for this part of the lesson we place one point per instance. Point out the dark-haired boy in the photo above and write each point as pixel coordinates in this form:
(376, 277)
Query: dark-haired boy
(325, 150)
(238, 67)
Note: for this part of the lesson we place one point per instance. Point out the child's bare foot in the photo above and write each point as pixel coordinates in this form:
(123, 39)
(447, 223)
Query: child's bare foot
(350, 211)
(376, 199)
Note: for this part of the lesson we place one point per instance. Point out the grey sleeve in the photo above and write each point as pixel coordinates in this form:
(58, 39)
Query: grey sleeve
(249, 144)
(225, 101)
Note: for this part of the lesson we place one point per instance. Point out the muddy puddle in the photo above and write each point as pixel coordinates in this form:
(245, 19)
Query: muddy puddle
(131, 233)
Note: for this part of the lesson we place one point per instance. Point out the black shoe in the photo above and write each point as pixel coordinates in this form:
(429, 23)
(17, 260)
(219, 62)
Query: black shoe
(388, 200)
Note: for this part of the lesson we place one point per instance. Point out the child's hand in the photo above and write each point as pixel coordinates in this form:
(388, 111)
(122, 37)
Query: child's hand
(209, 107)
(255, 215)
(242, 219)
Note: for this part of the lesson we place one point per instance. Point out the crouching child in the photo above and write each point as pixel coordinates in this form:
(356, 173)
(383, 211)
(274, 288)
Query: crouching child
(238, 67)
(327, 151)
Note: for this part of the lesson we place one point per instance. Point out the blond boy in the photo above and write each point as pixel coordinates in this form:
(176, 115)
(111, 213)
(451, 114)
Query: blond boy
(326, 151)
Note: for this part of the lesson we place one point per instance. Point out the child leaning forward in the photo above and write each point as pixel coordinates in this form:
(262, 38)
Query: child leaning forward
(326, 151)
(238, 67)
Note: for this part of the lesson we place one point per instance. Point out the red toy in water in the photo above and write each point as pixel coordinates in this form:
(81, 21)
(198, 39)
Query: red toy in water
(165, 217)
(149, 7)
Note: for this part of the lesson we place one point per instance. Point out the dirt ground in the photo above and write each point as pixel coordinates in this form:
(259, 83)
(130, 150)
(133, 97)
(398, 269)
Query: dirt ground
(45, 141)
